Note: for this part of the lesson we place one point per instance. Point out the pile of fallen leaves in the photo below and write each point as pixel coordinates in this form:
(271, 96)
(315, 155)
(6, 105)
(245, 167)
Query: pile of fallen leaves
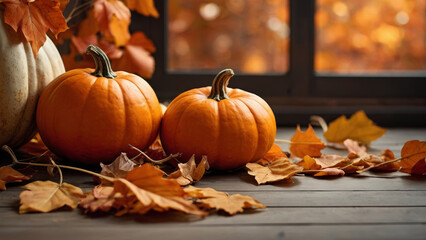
(138, 185)
(341, 133)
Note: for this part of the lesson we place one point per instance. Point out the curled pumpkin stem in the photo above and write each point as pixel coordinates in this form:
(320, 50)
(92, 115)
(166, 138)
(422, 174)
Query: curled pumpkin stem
(220, 83)
(161, 161)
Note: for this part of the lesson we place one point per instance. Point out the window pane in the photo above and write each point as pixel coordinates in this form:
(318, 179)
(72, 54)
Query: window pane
(249, 36)
(367, 36)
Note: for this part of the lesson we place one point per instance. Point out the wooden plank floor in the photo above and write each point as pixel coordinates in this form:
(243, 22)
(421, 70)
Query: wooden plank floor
(367, 206)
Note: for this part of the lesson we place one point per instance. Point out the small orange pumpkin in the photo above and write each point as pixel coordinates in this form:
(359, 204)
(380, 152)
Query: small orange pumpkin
(91, 115)
(231, 126)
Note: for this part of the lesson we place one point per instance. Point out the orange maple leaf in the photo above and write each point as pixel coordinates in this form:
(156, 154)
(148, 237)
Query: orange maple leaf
(358, 127)
(277, 170)
(145, 7)
(143, 189)
(8, 174)
(137, 56)
(306, 143)
(325, 161)
(414, 157)
(33, 18)
(113, 18)
(46, 196)
(208, 198)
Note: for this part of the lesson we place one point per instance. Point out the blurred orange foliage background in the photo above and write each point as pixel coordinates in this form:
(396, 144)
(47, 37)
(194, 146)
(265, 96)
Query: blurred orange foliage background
(364, 36)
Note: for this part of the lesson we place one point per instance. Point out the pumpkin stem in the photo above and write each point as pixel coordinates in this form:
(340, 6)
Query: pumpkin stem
(103, 66)
(219, 85)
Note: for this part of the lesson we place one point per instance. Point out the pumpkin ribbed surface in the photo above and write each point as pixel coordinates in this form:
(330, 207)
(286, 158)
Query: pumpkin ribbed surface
(231, 132)
(22, 78)
(92, 119)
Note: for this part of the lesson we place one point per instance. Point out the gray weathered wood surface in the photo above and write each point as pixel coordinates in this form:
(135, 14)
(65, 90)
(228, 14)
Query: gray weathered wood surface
(367, 206)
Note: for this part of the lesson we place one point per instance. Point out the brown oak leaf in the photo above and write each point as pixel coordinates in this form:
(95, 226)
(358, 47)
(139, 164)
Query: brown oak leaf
(274, 171)
(33, 18)
(189, 172)
(414, 157)
(306, 143)
(208, 198)
(145, 7)
(8, 174)
(358, 127)
(46, 196)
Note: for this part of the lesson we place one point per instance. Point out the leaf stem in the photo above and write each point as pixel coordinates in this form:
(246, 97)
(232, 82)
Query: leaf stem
(318, 120)
(161, 161)
(390, 161)
(61, 177)
(16, 161)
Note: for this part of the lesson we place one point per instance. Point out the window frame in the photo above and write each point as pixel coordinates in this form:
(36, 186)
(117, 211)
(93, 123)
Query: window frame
(388, 99)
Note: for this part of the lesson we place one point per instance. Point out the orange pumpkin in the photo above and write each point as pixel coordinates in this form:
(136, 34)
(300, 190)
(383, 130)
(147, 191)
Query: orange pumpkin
(231, 126)
(91, 115)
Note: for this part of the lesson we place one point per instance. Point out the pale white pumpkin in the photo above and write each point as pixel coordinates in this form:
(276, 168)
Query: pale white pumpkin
(22, 78)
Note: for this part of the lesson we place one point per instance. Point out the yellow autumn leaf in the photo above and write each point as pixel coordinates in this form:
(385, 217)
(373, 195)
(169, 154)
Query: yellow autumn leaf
(46, 196)
(358, 127)
(208, 198)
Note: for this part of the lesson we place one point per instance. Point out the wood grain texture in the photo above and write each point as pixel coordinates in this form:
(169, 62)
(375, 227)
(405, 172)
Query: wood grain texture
(367, 206)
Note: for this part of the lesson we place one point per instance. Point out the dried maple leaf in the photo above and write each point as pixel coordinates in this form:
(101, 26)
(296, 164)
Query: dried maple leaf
(387, 155)
(325, 161)
(189, 172)
(273, 154)
(33, 18)
(208, 198)
(46, 196)
(358, 127)
(8, 174)
(143, 189)
(327, 172)
(101, 198)
(113, 18)
(145, 7)
(414, 157)
(363, 159)
(120, 167)
(137, 56)
(306, 143)
(274, 171)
